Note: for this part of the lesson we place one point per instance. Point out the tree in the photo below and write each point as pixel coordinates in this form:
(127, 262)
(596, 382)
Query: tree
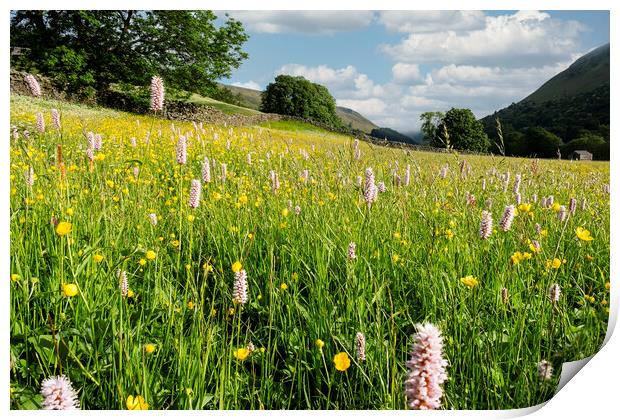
(587, 141)
(463, 130)
(91, 49)
(542, 143)
(430, 121)
(296, 96)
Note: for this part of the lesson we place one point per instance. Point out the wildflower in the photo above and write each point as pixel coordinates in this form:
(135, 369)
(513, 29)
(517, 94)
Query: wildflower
(123, 284)
(556, 263)
(351, 252)
(190, 305)
(33, 84)
(427, 369)
(297, 210)
(142, 262)
(151, 255)
(15, 277)
(284, 286)
(223, 173)
(63, 228)
(157, 94)
(395, 258)
(572, 205)
(182, 151)
(504, 294)
(486, 225)
(153, 218)
(545, 370)
(360, 346)
(240, 290)
(554, 293)
(525, 207)
(562, 214)
(194, 194)
(320, 344)
(469, 281)
(58, 394)
(509, 214)
(69, 290)
(284, 212)
(241, 353)
(583, 234)
(370, 189)
(236, 267)
(206, 171)
(40, 123)
(342, 361)
(136, 403)
(251, 347)
(30, 177)
(535, 246)
(149, 348)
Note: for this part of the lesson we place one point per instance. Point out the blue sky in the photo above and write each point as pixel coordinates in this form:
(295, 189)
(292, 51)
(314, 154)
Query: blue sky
(392, 66)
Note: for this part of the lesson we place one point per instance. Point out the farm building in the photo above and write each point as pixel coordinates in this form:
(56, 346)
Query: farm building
(581, 155)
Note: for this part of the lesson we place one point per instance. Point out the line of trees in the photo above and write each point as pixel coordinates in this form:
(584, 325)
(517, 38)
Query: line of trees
(86, 51)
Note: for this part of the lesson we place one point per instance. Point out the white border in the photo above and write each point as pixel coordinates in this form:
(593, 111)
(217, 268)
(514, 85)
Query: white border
(591, 394)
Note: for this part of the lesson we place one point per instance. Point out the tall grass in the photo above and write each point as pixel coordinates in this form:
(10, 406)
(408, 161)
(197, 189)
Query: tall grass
(413, 247)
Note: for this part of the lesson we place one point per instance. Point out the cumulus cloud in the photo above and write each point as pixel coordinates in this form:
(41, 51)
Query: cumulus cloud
(374, 107)
(513, 40)
(403, 73)
(248, 85)
(318, 22)
(421, 21)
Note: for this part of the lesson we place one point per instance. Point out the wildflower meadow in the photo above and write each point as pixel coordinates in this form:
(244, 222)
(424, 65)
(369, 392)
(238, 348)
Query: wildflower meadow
(160, 264)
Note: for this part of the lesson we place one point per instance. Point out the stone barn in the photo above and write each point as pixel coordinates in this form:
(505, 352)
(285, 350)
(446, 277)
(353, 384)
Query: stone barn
(581, 155)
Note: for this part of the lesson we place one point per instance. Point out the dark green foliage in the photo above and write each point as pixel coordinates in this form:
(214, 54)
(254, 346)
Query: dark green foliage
(89, 50)
(391, 135)
(541, 143)
(296, 96)
(571, 105)
(430, 121)
(590, 142)
(464, 132)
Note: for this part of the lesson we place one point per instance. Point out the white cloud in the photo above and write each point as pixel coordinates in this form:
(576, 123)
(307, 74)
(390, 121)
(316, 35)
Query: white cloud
(421, 21)
(522, 39)
(248, 85)
(320, 22)
(367, 107)
(404, 73)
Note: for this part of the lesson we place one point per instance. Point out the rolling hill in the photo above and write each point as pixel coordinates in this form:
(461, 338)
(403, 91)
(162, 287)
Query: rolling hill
(251, 99)
(573, 104)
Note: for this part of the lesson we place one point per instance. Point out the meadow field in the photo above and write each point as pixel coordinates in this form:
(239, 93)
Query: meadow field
(128, 260)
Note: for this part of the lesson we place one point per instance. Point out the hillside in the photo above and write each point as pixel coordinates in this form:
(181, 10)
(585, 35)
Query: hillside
(349, 117)
(572, 105)
(586, 74)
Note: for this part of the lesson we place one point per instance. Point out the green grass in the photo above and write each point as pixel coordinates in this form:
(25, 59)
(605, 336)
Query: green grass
(413, 246)
(221, 106)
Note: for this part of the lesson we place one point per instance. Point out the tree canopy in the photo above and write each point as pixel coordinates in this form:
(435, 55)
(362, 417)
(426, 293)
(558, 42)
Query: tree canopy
(87, 50)
(460, 130)
(296, 96)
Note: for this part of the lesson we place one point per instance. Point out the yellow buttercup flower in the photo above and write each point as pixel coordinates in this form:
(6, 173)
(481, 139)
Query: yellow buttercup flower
(319, 343)
(342, 361)
(556, 263)
(149, 348)
(69, 290)
(136, 403)
(469, 281)
(142, 262)
(583, 234)
(395, 258)
(284, 212)
(283, 286)
(151, 255)
(98, 258)
(236, 267)
(525, 207)
(63, 228)
(241, 354)
(15, 277)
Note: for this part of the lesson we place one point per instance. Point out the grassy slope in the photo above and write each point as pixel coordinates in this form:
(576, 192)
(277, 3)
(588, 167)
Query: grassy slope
(348, 116)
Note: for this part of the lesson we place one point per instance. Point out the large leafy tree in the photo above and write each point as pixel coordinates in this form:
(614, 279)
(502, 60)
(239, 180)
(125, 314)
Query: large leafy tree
(430, 121)
(460, 130)
(91, 49)
(289, 95)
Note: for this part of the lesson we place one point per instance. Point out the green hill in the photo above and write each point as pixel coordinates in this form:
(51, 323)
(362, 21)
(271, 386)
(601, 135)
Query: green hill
(250, 98)
(572, 105)
(584, 75)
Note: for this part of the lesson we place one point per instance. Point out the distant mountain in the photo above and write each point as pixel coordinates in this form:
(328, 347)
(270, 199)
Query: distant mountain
(573, 104)
(391, 135)
(250, 98)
